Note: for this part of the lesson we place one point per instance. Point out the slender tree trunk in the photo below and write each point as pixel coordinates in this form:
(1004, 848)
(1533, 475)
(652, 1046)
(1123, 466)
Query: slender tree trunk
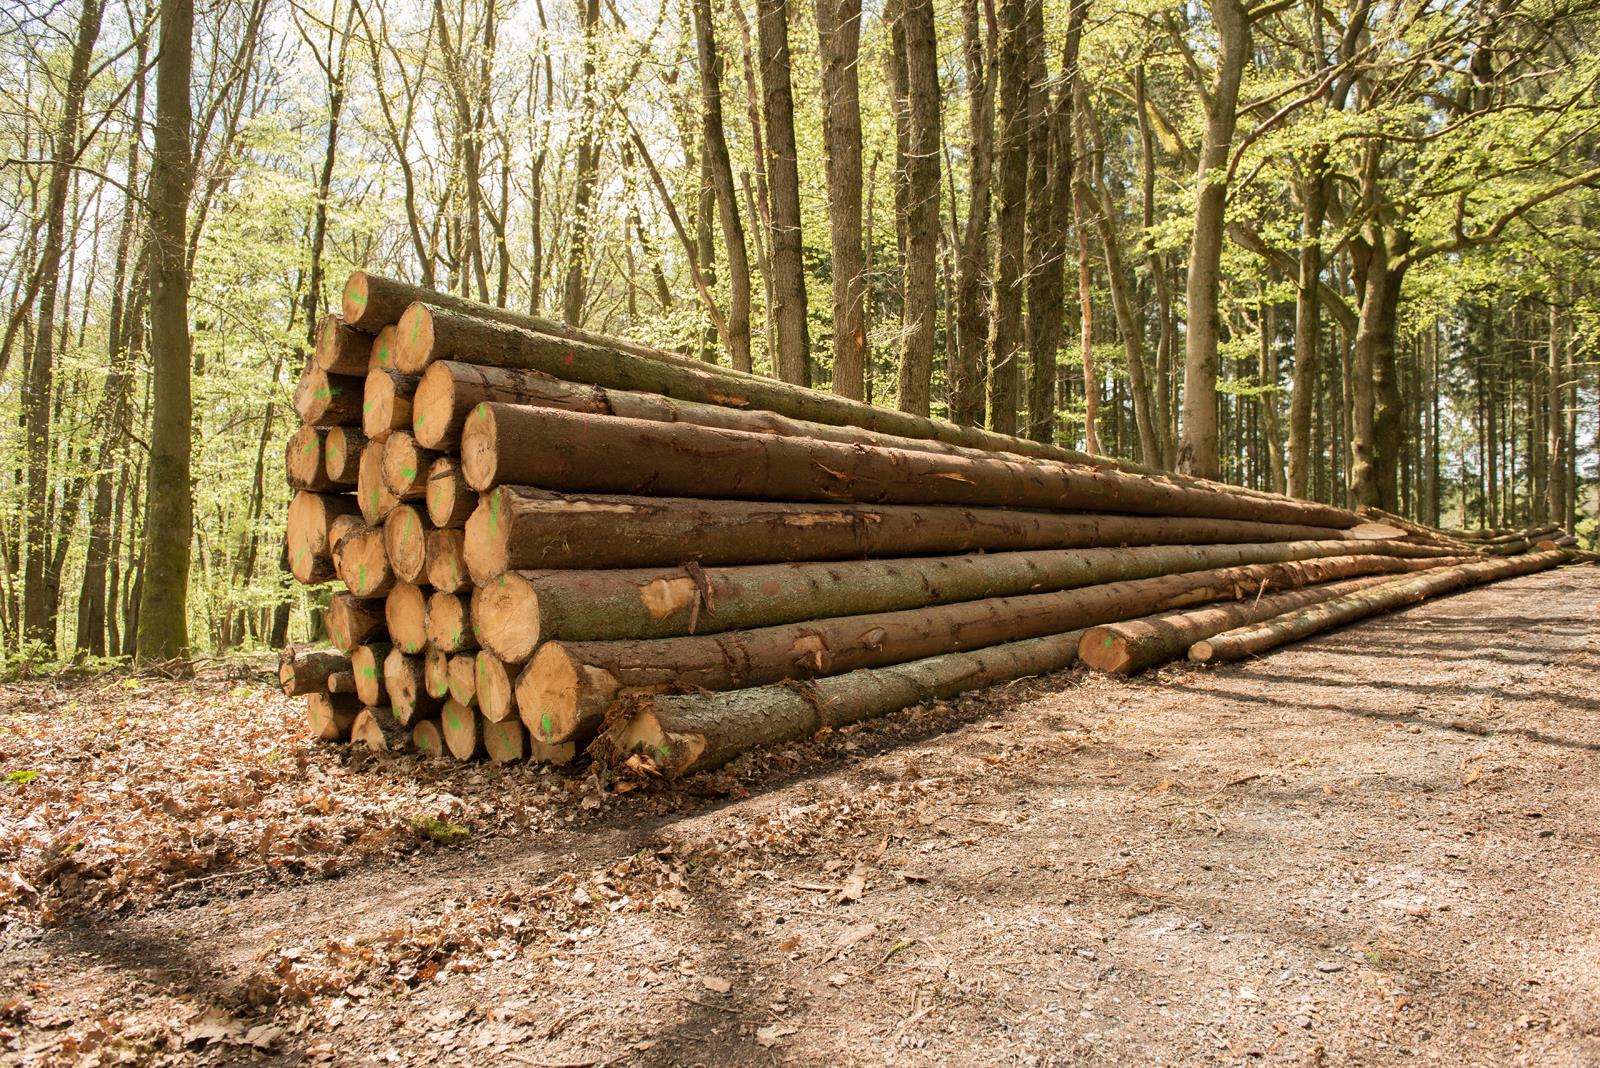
(1005, 317)
(839, 35)
(163, 631)
(1198, 451)
(1307, 325)
(788, 264)
(972, 324)
(1555, 420)
(41, 587)
(921, 221)
(1273, 454)
(575, 292)
(715, 151)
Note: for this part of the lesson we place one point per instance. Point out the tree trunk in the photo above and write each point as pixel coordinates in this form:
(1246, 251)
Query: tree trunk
(1307, 324)
(352, 621)
(164, 600)
(715, 150)
(921, 118)
(517, 529)
(1197, 451)
(302, 670)
(966, 369)
(516, 611)
(1555, 420)
(839, 35)
(574, 294)
(793, 361)
(1007, 279)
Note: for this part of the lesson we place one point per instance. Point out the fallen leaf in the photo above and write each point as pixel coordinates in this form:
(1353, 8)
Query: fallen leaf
(851, 936)
(768, 1036)
(715, 984)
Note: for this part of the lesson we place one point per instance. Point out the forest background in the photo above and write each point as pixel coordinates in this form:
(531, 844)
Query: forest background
(1344, 250)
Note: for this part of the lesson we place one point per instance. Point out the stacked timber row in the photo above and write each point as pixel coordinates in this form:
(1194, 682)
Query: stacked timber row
(547, 542)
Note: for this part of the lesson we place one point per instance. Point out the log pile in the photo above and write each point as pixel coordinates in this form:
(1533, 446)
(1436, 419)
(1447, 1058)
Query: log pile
(546, 542)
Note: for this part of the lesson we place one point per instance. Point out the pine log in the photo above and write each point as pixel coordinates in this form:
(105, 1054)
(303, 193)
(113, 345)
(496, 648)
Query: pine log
(384, 350)
(557, 450)
(352, 621)
(463, 674)
(405, 540)
(303, 669)
(436, 672)
(342, 683)
(306, 532)
(496, 686)
(516, 528)
(472, 334)
(303, 464)
(551, 752)
(408, 694)
(463, 730)
(322, 399)
(366, 662)
(505, 741)
(515, 611)
(567, 686)
(450, 622)
(405, 466)
(1127, 648)
(374, 497)
(405, 611)
(341, 349)
(450, 500)
(1294, 625)
(386, 403)
(330, 716)
(427, 738)
(341, 454)
(449, 391)
(447, 562)
(363, 563)
(676, 736)
(379, 731)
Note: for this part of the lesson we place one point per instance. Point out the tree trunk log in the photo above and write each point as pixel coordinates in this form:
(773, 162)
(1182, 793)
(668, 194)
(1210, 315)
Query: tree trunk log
(366, 663)
(567, 687)
(322, 399)
(447, 562)
(462, 673)
(387, 402)
(341, 349)
(408, 694)
(516, 611)
(496, 686)
(405, 611)
(1301, 623)
(405, 540)
(436, 672)
(516, 529)
(405, 466)
(675, 736)
(385, 350)
(374, 497)
(560, 450)
(341, 454)
(379, 731)
(303, 670)
(427, 738)
(311, 517)
(330, 717)
(505, 741)
(450, 499)
(305, 465)
(364, 564)
(450, 622)
(463, 730)
(352, 621)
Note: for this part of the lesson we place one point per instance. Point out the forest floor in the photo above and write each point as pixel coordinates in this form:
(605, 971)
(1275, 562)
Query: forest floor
(1379, 846)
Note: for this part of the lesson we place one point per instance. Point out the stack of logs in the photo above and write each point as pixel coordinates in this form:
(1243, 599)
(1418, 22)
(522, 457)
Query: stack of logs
(550, 542)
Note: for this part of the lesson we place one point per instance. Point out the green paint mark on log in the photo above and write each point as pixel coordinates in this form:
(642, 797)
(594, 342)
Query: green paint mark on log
(546, 726)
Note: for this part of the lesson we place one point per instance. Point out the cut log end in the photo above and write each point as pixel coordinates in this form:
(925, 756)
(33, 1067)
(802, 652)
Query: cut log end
(355, 300)
(377, 729)
(505, 741)
(331, 717)
(428, 738)
(480, 443)
(341, 454)
(364, 564)
(436, 672)
(561, 699)
(450, 499)
(433, 409)
(641, 735)
(1200, 652)
(450, 622)
(406, 612)
(488, 542)
(303, 461)
(408, 696)
(372, 494)
(496, 688)
(366, 663)
(405, 466)
(463, 730)
(352, 621)
(322, 399)
(383, 351)
(447, 566)
(340, 348)
(405, 539)
(463, 675)
(414, 339)
(1105, 650)
(505, 613)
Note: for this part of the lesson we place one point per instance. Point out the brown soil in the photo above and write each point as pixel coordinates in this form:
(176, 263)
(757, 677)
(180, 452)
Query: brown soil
(1375, 847)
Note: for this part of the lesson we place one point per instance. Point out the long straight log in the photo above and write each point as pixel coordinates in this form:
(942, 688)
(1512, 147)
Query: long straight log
(1302, 623)
(516, 528)
(352, 621)
(474, 334)
(567, 686)
(1131, 646)
(321, 399)
(517, 610)
(310, 520)
(558, 450)
(676, 736)
(303, 670)
(341, 454)
(340, 348)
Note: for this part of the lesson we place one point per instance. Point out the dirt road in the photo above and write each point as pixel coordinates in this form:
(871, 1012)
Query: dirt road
(1375, 847)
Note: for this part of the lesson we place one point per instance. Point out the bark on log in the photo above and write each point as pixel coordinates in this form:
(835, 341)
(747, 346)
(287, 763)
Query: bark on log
(447, 562)
(463, 730)
(1292, 626)
(505, 741)
(405, 466)
(427, 738)
(311, 515)
(405, 611)
(408, 694)
(515, 528)
(364, 564)
(386, 402)
(304, 463)
(1129, 647)
(379, 731)
(450, 622)
(450, 390)
(517, 610)
(496, 686)
(463, 679)
(436, 672)
(304, 670)
(676, 736)
(566, 688)
(341, 454)
(330, 716)
(341, 349)
(557, 450)
(321, 399)
(366, 663)
(374, 497)
(431, 333)
(352, 621)
(342, 683)
(450, 500)
(405, 540)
